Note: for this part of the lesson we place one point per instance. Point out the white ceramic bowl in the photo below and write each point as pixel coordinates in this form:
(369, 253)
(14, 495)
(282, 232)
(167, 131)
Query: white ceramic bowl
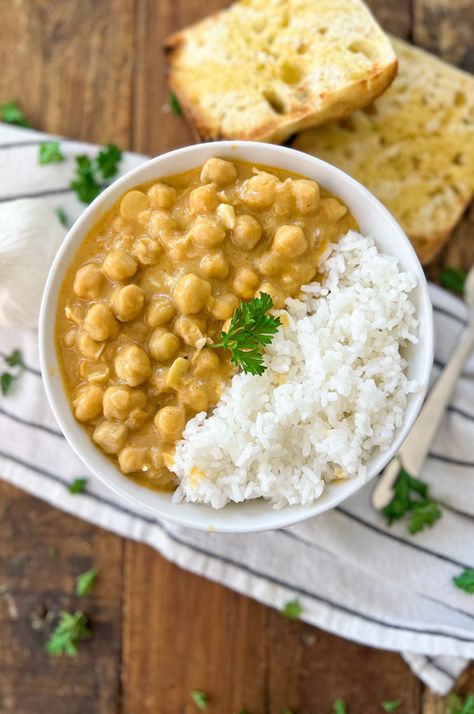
(373, 219)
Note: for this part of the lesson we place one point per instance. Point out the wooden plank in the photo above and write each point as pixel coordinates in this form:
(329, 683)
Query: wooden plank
(155, 128)
(446, 27)
(70, 65)
(395, 17)
(42, 550)
(434, 704)
(183, 633)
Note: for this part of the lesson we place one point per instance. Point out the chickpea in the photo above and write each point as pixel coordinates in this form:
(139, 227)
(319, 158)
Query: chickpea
(132, 365)
(132, 459)
(111, 436)
(245, 282)
(89, 347)
(119, 400)
(226, 214)
(191, 293)
(214, 265)
(203, 199)
(93, 371)
(147, 251)
(100, 323)
(170, 422)
(225, 306)
(137, 418)
(290, 241)
(332, 208)
(218, 171)
(162, 224)
(89, 282)
(163, 344)
(160, 311)
(176, 372)
(306, 194)
(119, 265)
(207, 232)
(247, 232)
(87, 403)
(277, 296)
(70, 337)
(75, 313)
(127, 302)
(189, 329)
(195, 397)
(283, 199)
(206, 364)
(271, 264)
(162, 196)
(155, 280)
(258, 192)
(132, 204)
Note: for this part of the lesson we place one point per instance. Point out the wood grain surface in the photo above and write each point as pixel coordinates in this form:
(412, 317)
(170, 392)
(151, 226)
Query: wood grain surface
(93, 70)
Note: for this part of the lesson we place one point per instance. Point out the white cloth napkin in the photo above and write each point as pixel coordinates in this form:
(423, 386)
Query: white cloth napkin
(353, 575)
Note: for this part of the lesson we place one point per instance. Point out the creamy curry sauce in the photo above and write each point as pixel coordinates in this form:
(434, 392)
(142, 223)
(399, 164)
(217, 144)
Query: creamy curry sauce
(159, 277)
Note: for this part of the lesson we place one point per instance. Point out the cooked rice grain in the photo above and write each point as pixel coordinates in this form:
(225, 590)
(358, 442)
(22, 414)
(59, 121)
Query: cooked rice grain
(334, 390)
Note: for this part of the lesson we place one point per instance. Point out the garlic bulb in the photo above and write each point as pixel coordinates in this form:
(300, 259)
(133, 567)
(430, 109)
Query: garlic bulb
(30, 235)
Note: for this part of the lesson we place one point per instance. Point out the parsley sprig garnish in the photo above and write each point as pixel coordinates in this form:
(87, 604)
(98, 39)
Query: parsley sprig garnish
(50, 153)
(78, 485)
(249, 331)
(85, 582)
(454, 279)
(392, 705)
(71, 629)
(12, 113)
(8, 378)
(455, 705)
(90, 172)
(292, 609)
(465, 581)
(339, 706)
(200, 699)
(411, 497)
(175, 106)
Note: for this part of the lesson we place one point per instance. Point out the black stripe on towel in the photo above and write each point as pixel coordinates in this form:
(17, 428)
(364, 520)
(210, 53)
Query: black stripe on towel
(451, 460)
(32, 424)
(245, 568)
(37, 194)
(442, 311)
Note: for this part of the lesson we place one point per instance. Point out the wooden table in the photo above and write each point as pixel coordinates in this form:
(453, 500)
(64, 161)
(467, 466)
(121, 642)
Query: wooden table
(93, 70)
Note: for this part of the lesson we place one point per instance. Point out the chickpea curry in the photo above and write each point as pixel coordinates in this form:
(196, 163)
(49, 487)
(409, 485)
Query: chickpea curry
(157, 280)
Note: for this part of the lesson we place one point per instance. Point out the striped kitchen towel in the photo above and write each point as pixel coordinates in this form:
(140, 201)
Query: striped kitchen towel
(354, 575)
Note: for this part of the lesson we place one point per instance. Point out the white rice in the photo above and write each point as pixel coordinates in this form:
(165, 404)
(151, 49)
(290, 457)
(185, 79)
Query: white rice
(335, 389)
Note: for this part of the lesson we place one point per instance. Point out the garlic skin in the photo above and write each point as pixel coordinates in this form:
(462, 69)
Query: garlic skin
(30, 235)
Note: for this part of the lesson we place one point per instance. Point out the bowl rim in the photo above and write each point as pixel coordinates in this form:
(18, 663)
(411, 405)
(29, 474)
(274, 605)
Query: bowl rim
(88, 452)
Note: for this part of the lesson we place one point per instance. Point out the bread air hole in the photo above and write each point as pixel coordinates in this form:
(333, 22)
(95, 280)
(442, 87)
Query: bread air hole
(290, 73)
(274, 101)
(363, 47)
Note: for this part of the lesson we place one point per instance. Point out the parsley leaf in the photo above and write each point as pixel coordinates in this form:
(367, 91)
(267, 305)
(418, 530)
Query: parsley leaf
(85, 184)
(108, 159)
(85, 582)
(287, 711)
(339, 706)
(391, 706)
(7, 379)
(456, 706)
(71, 629)
(12, 113)
(78, 485)
(249, 331)
(175, 106)
(200, 699)
(453, 279)
(465, 581)
(15, 359)
(61, 214)
(411, 497)
(50, 153)
(292, 609)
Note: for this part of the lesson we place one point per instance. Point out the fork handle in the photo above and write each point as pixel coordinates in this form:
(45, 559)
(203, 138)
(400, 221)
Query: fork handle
(414, 450)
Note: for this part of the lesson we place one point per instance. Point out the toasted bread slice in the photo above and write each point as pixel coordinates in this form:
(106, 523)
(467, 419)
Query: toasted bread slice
(414, 148)
(264, 69)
